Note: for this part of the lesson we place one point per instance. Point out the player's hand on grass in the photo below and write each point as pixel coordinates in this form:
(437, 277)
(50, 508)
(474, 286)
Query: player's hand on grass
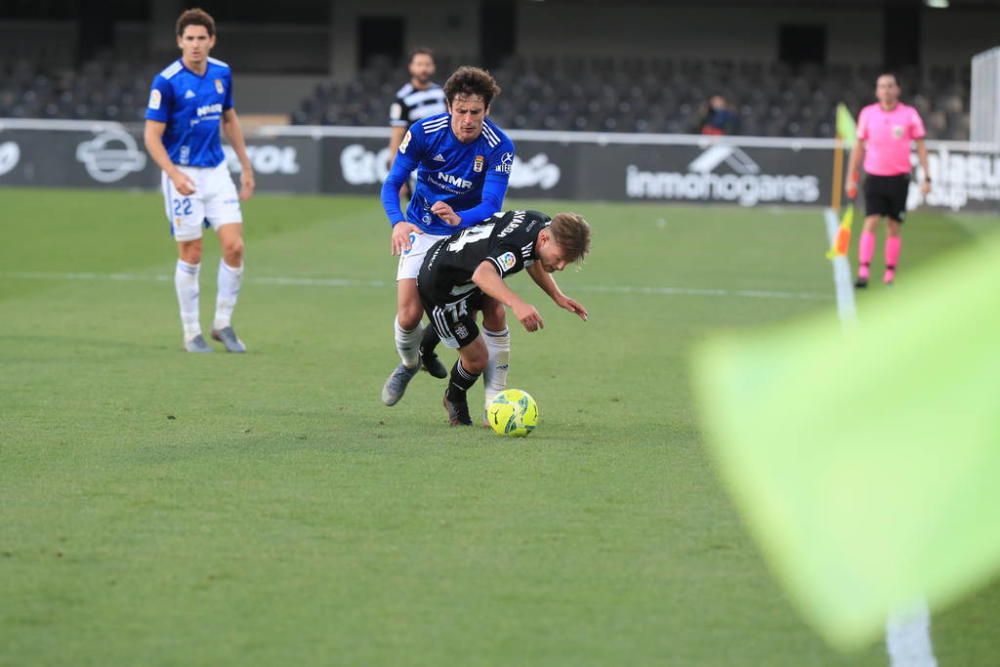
(247, 184)
(446, 213)
(528, 316)
(182, 183)
(401, 236)
(573, 307)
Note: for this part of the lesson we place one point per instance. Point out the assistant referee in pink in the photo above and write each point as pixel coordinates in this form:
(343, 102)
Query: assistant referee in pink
(885, 131)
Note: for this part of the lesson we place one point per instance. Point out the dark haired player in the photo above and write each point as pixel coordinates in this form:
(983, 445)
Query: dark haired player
(418, 98)
(463, 163)
(188, 103)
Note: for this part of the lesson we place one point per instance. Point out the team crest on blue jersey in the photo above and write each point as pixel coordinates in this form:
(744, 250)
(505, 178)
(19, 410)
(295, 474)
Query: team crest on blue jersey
(507, 261)
(218, 87)
(477, 166)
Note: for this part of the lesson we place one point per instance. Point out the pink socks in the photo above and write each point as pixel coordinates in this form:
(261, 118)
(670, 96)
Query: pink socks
(866, 250)
(892, 247)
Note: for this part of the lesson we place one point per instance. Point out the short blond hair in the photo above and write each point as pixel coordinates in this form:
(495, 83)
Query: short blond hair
(572, 233)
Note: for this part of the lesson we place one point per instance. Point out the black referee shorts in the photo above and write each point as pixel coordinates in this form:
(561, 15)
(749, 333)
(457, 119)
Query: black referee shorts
(886, 196)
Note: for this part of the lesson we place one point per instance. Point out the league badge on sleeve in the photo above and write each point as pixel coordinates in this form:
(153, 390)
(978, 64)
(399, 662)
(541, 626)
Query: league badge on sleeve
(477, 166)
(405, 143)
(219, 88)
(154, 99)
(507, 261)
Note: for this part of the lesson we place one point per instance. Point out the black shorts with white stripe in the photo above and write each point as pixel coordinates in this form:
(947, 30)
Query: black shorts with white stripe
(455, 322)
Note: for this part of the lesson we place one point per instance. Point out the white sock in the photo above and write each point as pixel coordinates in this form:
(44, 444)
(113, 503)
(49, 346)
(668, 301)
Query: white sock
(408, 344)
(495, 375)
(230, 280)
(186, 282)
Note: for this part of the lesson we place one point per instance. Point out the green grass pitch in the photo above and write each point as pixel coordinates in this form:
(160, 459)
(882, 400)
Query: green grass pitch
(161, 508)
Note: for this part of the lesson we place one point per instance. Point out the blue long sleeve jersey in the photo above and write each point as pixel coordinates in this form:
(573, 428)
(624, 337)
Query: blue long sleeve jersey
(471, 178)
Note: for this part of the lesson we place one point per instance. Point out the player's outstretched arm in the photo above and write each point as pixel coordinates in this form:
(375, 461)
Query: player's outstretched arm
(488, 279)
(234, 134)
(153, 138)
(548, 284)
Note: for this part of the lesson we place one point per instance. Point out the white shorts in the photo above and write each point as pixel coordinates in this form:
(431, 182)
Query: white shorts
(410, 260)
(215, 202)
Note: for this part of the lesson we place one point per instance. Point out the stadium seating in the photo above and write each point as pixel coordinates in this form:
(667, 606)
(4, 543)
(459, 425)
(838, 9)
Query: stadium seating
(657, 95)
(551, 93)
(105, 88)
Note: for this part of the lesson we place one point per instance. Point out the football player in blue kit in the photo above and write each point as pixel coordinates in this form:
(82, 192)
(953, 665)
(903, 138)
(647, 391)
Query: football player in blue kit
(187, 103)
(463, 162)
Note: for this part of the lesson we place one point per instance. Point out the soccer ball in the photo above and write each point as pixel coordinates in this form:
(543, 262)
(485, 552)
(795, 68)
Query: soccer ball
(513, 412)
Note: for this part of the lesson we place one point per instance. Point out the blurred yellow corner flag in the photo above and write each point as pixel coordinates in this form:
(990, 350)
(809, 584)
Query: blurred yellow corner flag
(847, 131)
(865, 461)
(842, 241)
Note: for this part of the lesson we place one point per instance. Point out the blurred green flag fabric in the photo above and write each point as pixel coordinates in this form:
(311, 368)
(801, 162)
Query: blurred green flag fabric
(865, 459)
(846, 129)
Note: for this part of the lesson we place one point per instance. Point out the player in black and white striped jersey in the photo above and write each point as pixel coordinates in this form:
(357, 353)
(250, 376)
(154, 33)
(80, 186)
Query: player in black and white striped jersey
(418, 98)
(459, 272)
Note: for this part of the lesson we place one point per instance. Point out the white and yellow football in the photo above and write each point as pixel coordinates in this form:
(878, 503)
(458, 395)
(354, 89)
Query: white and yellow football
(513, 412)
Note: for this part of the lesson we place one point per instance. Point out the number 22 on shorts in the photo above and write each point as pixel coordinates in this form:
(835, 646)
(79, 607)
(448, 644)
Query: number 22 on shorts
(182, 206)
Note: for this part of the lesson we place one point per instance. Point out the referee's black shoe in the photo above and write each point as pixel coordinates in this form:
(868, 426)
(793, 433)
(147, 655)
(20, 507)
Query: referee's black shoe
(861, 283)
(432, 364)
(458, 411)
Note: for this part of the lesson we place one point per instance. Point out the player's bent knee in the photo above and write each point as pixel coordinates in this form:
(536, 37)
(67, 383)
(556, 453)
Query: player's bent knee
(494, 316)
(474, 361)
(409, 316)
(233, 252)
(189, 251)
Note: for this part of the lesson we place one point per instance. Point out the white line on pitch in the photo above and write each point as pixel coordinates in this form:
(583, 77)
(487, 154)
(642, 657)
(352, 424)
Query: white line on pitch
(841, 275)
(908, 632)
(908, 638)
(288, 281)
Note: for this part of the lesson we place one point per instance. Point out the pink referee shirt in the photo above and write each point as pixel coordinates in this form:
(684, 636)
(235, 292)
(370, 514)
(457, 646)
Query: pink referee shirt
(887, 136)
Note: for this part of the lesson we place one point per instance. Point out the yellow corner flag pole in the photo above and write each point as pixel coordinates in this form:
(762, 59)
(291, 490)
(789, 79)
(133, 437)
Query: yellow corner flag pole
(846, 135)
(838, 173)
